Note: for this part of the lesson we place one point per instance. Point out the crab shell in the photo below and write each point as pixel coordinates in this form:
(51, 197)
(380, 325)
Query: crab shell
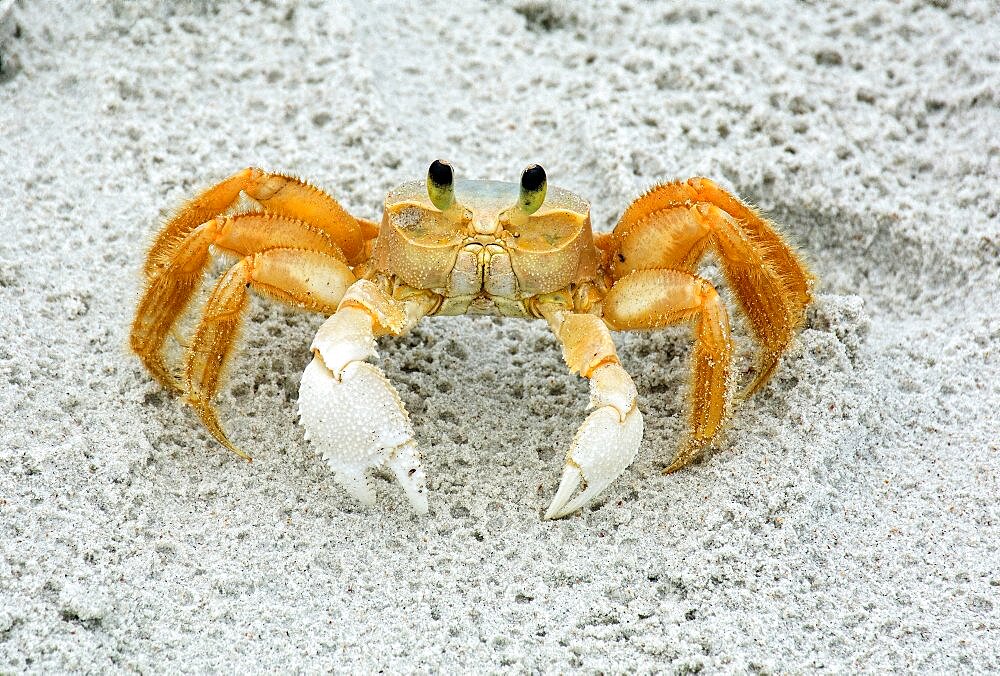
(489, 259)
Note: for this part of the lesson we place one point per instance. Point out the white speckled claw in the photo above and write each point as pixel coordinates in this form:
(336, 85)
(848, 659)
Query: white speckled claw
(353, 414)
(604, 446)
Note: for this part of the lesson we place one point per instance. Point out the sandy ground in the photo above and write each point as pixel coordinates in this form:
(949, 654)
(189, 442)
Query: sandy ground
(849, 523)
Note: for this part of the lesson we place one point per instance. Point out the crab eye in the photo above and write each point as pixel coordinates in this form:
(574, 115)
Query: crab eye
(441, 184)
(533, 187)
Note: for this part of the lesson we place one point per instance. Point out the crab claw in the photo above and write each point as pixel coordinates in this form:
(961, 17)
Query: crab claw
(606, 443)
(353, 414)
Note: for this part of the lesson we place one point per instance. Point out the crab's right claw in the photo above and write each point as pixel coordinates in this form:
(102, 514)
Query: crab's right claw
(605, 445)
(357, 421)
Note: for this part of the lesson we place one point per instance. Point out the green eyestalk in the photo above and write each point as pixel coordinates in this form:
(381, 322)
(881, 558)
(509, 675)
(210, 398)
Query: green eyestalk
(530, 199)
(533, 187)
(441, 185)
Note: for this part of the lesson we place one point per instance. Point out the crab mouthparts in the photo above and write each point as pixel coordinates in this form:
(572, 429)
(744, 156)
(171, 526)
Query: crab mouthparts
(488, 225)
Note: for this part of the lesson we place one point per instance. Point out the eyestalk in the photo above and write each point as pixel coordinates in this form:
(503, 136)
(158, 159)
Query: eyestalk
(533, 187)
(441, 185)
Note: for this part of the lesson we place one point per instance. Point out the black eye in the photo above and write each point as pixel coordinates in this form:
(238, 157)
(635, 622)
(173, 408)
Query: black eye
(441, 173)
(441, 184)
(533, 177)
(533, 188)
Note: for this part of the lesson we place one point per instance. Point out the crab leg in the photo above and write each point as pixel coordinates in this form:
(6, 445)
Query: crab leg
(276, 193)
(672, 226)
(349, 409)
(307, 279)
(772, 293)
(649, 299)
(168, 293)
(608, 440)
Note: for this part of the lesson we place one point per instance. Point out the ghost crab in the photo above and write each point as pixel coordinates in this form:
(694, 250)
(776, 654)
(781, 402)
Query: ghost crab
(447, 247)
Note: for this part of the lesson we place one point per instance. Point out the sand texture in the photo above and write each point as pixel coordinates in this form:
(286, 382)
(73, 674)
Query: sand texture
(851, 520)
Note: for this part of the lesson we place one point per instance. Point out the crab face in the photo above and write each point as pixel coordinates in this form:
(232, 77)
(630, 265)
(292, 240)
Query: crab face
(498, 241)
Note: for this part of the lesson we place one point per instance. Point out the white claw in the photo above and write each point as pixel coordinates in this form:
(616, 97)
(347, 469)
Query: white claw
(570, 481)
(358, 423)
(405, 464)
(605, 445)
(356, 482)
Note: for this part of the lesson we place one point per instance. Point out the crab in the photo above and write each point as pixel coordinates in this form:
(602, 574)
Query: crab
(453, 247)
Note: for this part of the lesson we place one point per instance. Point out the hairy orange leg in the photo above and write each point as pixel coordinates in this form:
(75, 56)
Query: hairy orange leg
(657, 231)
(776, 251)
(674, 224)
(764, 291)
(276, 193)
(307, 279)
(651, 299)
(168, 293)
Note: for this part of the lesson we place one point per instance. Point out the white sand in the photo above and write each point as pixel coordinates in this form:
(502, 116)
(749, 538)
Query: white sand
(851, 521)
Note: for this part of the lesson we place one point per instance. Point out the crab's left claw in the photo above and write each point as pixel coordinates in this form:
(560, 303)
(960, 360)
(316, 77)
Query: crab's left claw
(606, 443)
